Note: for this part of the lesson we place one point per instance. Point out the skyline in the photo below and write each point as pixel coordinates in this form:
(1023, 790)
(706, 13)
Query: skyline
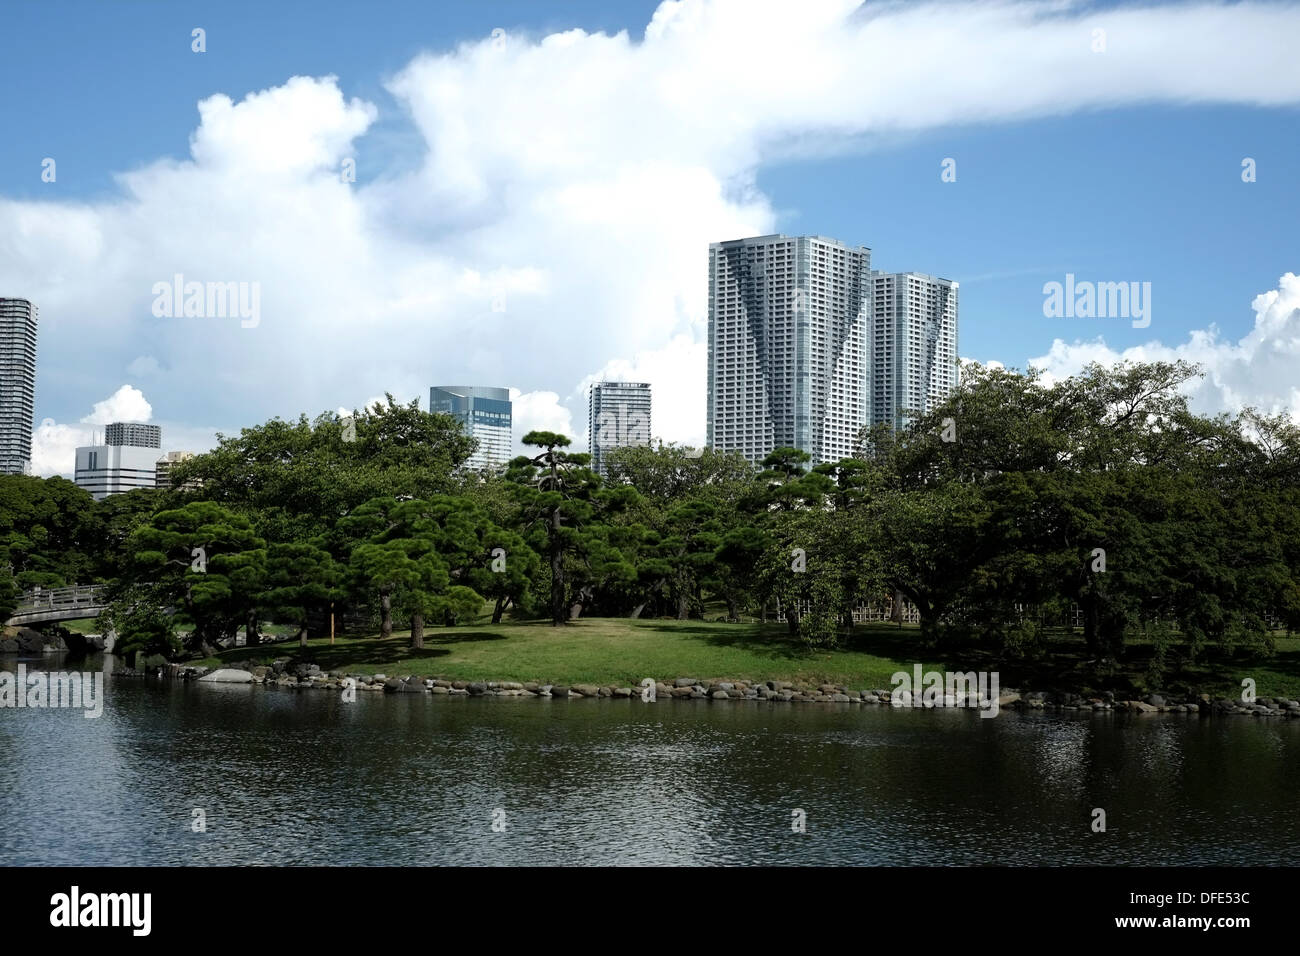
(507, 169)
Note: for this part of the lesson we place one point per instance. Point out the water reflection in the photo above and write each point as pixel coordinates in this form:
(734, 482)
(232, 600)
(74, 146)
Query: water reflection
(288, 777)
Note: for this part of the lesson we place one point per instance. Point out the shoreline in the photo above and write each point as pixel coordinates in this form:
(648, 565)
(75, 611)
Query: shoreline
(700, 660)
(311, 677)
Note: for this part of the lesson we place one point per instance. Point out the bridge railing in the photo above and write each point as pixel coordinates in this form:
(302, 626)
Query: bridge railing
(60, 599)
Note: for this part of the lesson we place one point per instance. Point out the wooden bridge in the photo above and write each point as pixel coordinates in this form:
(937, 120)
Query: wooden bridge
(47, 605)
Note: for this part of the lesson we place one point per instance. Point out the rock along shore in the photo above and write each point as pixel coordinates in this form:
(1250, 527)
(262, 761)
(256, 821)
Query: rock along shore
(285, 673)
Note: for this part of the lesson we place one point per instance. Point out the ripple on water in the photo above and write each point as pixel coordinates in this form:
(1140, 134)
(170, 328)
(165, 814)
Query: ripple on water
(289, 778)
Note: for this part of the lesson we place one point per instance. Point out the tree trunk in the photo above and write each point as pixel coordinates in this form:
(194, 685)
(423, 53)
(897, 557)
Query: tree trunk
(302, 634)
(386, 609)
(250, 630)
(683, 604)
(557, 570)
(896, 608)
(496, 611)
(654, 589)
(733, 608)
(575, 609)
(792, 619)
(417, 631)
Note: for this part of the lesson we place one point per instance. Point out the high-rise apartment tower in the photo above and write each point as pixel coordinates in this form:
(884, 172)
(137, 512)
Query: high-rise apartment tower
(789, 346)
(618, 417)
(17, 384)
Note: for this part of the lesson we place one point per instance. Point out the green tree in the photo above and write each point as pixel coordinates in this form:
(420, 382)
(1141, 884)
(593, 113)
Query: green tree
(557, 492)
(300, 577)
(204, 560)
(412, 552)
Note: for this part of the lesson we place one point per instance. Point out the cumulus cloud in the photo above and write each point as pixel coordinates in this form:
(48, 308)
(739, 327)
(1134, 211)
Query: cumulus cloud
(54, 448)
(127, 404)
(678, 388)
(539, 411)
(1258, 370)
(54, 445)
(556, 227)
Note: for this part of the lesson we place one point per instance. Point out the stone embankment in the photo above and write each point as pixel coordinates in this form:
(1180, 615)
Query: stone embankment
(285, 673)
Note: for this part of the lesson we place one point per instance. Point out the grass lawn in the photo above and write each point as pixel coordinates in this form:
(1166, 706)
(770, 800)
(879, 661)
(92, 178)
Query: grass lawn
(621, 651)
(608, 651)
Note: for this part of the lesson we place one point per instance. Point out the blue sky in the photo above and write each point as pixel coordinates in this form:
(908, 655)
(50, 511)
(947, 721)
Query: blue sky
(1111, 187)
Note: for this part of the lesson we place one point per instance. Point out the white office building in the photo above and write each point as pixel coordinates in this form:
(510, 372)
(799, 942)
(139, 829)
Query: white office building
(17, 384)
(914, 343)
(789, 346)
(118, 465)
(105, 470)
(618, 416)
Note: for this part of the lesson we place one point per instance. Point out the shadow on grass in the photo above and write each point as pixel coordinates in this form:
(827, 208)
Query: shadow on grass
(1064, 663)
(338, 656)
(462, 637)
(882, 640)
(770, 638)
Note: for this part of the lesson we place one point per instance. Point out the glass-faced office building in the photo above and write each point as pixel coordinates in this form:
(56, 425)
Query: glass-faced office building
(484, 412)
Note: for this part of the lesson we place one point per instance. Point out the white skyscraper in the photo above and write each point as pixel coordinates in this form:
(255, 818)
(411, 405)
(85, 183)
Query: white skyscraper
(17, 384)
(807, 346)
(618, 417)
(789, 346)
(915, 345)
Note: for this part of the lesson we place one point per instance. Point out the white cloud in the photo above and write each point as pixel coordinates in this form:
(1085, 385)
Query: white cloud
(54, 445)
(558, 224)
(540, 411)
(127, 404)
(1258, 370)
(54, 448)
(678, 377)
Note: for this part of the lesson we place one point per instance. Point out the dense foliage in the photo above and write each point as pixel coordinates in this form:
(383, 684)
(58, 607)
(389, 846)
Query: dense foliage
(1018, 506)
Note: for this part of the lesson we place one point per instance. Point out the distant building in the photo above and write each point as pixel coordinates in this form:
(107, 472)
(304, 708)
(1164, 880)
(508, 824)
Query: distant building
(163, 467)
(789, 346)
(485, 413)
(618, 417)
(808, 346)
(119, 465)
(915, 365)
(105, 470)
(134, 434)
(17, 384)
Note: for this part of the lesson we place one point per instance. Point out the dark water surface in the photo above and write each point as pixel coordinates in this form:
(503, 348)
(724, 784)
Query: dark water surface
(297, 777)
